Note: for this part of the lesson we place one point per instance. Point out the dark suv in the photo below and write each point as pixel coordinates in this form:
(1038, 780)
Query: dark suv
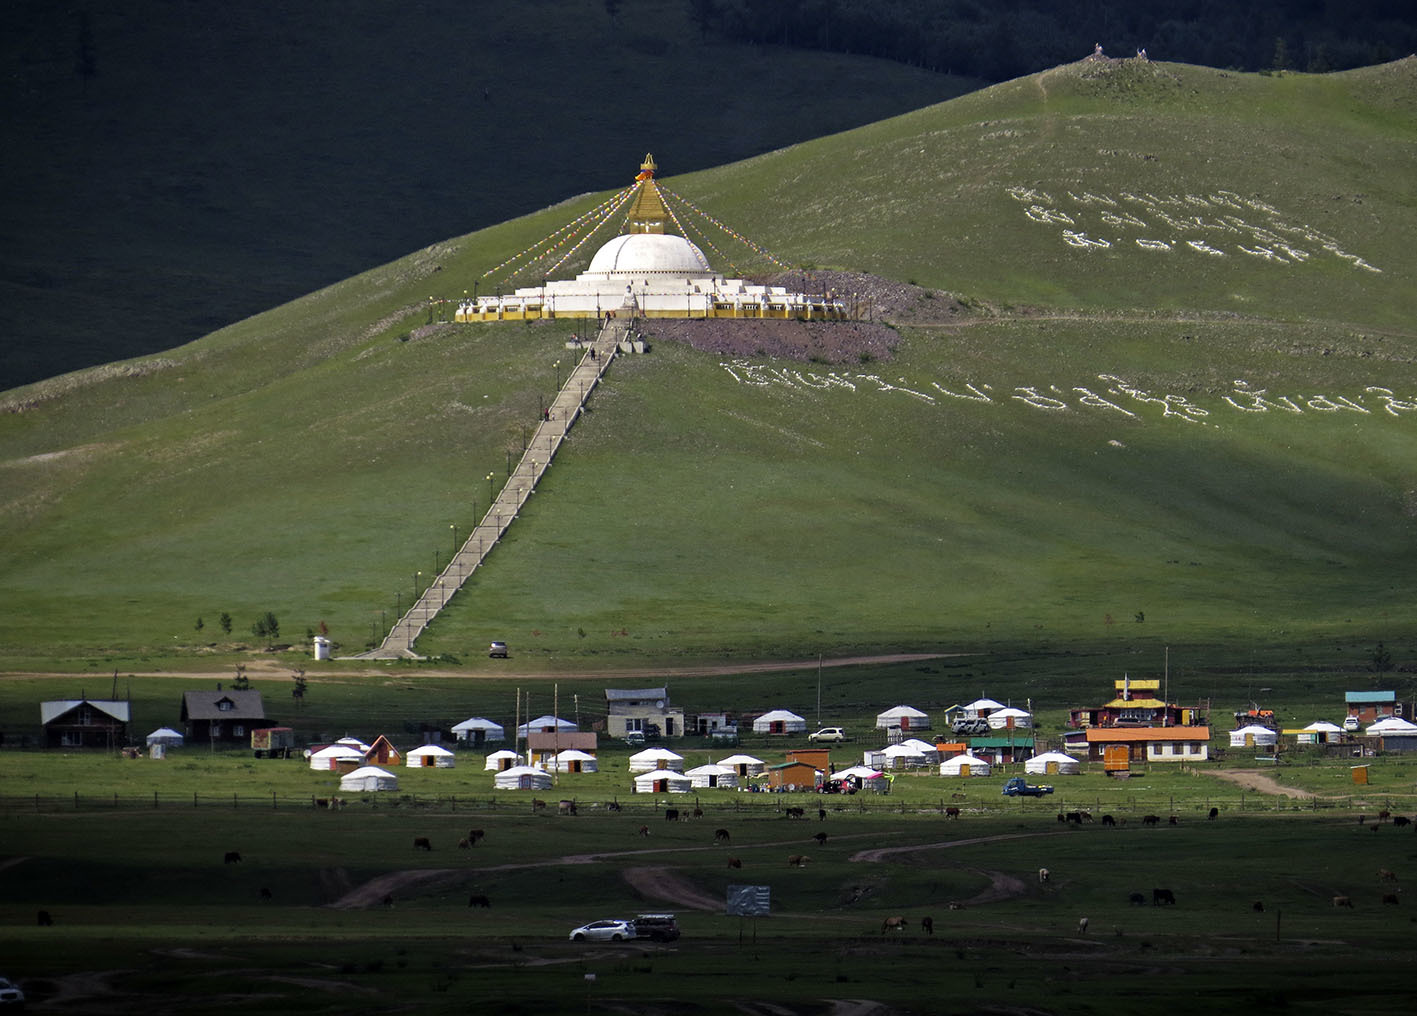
(657, 927)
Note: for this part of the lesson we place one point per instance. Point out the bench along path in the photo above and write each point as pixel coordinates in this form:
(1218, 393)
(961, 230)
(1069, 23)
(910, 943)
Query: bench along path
(545, 442)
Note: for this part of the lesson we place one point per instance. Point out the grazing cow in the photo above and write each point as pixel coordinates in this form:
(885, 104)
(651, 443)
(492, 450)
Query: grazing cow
(794, 812)
(1384, 815)
(232, 857)
(671, 814)
(697, 812)
(566, 807)
(388, 899)
(1343, 901)
(263, 893)
(1173, 820)
(322, 802)
(1043, 876)
(733, 862)
(1082, 925)
(1151, 820)
(537, 804)
(1214, 813)
(1108, 820)
(43, 920)
(721, 836)
(1085, 816)
(1390, 899)
(1257, 906)
(797, 860)
(821, 839)
(1387, 876)
(479, 901)
(473, 835)
(893, 924)
(464, 844)
(955, 905)
(1399, 821)
(1162, 896)
(821, 814)
(644, 830)
(1062, 818)
(1137, 900)
(952, 812)
(958, 797)
(422, 843)
(1075, 817)
(613, 806)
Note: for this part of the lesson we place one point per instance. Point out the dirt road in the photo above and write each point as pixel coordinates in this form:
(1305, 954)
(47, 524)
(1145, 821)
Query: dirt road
(1264, 783)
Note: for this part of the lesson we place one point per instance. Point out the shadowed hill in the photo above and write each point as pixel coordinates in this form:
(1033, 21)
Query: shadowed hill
(1180, 407)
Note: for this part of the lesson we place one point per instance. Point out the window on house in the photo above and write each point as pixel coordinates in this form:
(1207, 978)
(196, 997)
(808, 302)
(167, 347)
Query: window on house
(226, 705)
(238, 731)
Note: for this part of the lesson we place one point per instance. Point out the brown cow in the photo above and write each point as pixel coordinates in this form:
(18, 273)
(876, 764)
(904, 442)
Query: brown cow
(422, 843)
(644, 830)
(1387, 876)
(821, 839)
(927, 925)
(1343, 901)
(473, 835)
(797, 860)
(464, 844)
(733, 862)
(537, 804)
(951, 812)
(893, 924)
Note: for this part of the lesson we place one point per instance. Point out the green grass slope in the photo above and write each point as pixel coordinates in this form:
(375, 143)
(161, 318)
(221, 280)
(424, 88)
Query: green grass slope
(1088, 450)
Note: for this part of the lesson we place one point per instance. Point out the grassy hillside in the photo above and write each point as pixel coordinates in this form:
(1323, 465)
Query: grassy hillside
(1081, 464)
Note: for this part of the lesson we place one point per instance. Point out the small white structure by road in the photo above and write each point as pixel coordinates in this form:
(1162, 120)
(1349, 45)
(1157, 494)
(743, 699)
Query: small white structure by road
(479, 730)
(165, 736)
(522, 778)
(904, 717)
(713, 776)
(1053, 763)
(779, 721)
(655, 758)
(662, 781)
(368, 778)
(965, 765)
(502, 760)
(430, 756)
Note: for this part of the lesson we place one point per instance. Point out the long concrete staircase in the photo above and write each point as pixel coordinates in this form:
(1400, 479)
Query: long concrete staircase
(562, 414)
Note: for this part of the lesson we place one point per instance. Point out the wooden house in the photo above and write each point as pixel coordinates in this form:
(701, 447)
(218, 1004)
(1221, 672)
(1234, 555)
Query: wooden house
(1149, 744)
(794, 776)
(541, 747)
(223, 717)
(85, 723)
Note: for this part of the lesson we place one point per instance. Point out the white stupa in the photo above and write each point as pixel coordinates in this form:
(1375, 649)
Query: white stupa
(647, 271)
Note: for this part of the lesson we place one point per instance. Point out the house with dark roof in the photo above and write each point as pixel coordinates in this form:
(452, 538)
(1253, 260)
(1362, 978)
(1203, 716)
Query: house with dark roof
(225, 717)
(85, 723)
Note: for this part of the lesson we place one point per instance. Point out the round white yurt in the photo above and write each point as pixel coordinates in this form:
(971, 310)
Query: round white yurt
(1320, 732)
(1009, 719)
(981, 707)
(930, 751)
(901, 756)
(663, 781)
(165, 736)
(1390, 726)
(545, 725)
(964, 765)
(573, 761)
(779, 721)
(711, 776)
(746, 765)
(1053, 763)
(332, 757)
(479, 730)
(502, 760)
(655, 758)
(904, 717)
(1253, 736)
(430, 756)
(522, 778)
(368, 778)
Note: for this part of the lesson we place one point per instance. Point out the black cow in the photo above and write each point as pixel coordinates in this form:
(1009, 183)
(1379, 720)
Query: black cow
(43, 920)
(1108, 820)
(1161, 897)
(479, 901)
(721, 836)
(671, 814)
(232, 857)
(422, 843)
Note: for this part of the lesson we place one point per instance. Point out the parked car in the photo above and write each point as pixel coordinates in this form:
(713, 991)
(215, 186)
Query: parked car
(658, 927)
(604, 931)
(1020, 787)
(1351, 723)
(634, 738)
(497, 650)
(10, 993)
(827, 735)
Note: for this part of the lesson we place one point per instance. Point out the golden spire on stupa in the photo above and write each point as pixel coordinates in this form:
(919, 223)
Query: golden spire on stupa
(647, 214)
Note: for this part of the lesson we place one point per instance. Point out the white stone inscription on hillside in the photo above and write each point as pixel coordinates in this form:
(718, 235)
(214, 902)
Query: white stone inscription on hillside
(1217, 225)
(1108, 393)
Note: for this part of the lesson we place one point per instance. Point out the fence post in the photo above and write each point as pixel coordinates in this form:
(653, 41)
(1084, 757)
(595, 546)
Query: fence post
(194, 798)
(76, 800)
(273, 800)
(154, 799)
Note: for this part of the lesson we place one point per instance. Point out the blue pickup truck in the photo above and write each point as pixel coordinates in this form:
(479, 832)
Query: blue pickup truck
(1019, 787)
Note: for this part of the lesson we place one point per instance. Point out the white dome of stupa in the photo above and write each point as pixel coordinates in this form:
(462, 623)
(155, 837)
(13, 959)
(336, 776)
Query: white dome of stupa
(632, 254)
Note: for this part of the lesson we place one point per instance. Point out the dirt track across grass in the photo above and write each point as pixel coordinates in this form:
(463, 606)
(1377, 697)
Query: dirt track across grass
(1264, 783)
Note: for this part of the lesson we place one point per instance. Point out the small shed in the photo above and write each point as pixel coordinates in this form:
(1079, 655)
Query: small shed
(165, 736)
(573, 760)
(965, 765)
(713, 776)
(383, 752)
(662, 781)
(479, 730)
(430, 756)
(1053, 763)
(779, 721)
(522, 778)
(502, 760)
(1010, 718)
(794, 776)
(655, 758)
(336, 757)
(368, 778)
(1254, 736)
(746, 765)
(902, 717)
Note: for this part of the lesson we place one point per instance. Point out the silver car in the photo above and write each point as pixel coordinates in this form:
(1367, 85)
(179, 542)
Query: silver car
(604, 931)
